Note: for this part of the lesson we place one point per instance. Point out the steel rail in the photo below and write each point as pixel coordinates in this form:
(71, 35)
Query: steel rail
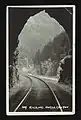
(24, 96)
(29, 76)
(50, 90)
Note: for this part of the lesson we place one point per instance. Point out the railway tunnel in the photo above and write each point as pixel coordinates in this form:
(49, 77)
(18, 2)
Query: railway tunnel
(19, 16)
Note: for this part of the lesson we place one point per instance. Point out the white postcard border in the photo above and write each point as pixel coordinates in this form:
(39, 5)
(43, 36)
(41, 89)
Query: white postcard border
(7, 64)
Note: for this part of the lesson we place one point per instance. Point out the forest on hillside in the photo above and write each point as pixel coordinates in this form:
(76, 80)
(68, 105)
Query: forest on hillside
(51, 57)
(54, 60)
(56, 49)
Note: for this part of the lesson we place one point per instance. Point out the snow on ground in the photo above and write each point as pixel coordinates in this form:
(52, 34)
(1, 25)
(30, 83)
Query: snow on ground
(54, 80)
(63, 86)
(23, 83)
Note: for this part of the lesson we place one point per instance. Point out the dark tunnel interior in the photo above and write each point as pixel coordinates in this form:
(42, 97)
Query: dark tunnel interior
(19, 16)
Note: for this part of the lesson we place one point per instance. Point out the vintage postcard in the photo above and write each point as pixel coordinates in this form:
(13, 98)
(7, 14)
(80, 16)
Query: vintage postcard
(40, 60)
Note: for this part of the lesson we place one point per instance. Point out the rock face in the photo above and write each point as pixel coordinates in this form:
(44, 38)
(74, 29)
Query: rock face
(38, 31)
(66, 72)
(42, 32)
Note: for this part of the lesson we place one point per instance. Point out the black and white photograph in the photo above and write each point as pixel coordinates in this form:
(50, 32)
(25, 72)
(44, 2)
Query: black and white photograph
(40, 60)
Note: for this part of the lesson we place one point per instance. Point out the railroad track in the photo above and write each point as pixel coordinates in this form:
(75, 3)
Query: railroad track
(50, 90)
(30, 89)
(25, 95)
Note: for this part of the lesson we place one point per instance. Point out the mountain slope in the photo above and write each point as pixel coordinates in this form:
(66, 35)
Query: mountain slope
(38, 31)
